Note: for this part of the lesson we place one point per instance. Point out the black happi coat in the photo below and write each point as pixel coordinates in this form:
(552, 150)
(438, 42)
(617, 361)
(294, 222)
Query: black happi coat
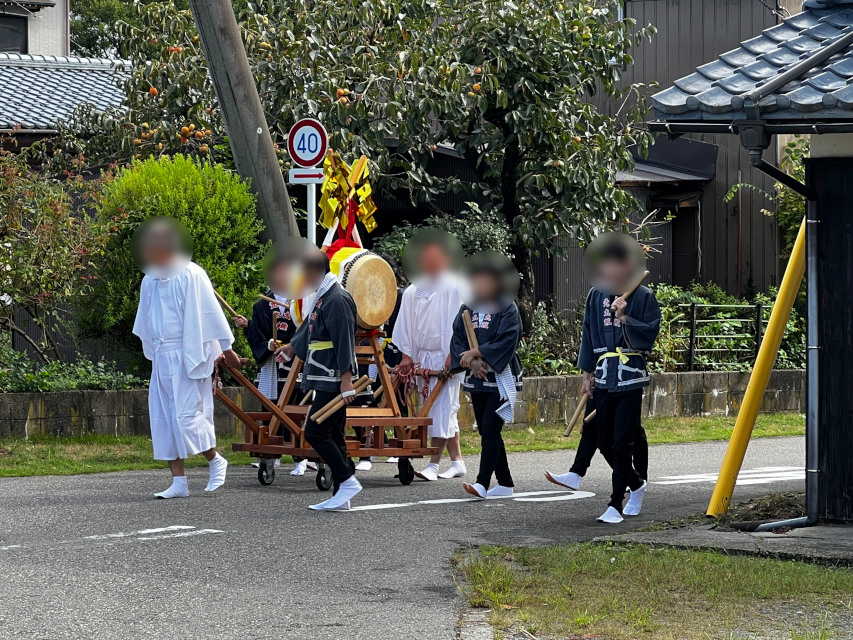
(259, 331)
(603, 333)
(332, 319)
(499, 335)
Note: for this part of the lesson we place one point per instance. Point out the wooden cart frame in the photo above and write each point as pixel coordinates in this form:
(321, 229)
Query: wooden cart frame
(261, 427)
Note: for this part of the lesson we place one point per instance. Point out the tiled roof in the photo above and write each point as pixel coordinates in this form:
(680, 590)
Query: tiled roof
(716, 91)
(37, 92)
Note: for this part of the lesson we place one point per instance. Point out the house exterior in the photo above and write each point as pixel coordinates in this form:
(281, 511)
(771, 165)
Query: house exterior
(40, 84)
(36, 27)
(796, 77)
(709, 239)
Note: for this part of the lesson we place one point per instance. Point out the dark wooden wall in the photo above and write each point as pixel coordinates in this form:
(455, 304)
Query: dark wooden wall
(832, 179)
(691, 33)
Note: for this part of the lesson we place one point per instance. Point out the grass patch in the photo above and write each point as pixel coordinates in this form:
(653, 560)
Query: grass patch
(549, 437)
(628, 592)
(58, 456)
(47, 455)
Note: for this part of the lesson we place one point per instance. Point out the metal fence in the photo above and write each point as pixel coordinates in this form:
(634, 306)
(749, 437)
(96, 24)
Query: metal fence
(707, 336)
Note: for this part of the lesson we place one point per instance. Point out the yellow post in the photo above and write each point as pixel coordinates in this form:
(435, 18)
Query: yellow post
(722, 497)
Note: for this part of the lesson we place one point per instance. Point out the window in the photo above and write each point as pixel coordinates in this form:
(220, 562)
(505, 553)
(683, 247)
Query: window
(13, 34)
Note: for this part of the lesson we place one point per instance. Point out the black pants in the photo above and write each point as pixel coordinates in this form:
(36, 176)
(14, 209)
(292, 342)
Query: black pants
(493, 455)
(327, 439)
(619, 426)
(588, 445)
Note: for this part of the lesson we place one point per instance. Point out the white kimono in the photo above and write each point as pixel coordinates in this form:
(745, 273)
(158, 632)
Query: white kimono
(423, 331)
(183, 331)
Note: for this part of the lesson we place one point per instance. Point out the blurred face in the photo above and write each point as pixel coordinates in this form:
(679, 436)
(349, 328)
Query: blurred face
(314, 267)
(160, 243)
(280, 278)
(485, 287)
(613, 274)
(433, 260)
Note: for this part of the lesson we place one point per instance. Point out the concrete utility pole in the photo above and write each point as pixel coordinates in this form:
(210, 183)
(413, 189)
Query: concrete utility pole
(243, 114)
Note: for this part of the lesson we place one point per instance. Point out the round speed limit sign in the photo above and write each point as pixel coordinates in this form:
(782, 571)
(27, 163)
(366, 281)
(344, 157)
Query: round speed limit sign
(307, 142)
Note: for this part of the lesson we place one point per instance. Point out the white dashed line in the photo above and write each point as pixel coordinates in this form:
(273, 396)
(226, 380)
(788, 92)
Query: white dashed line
(183, 534)
(133, 534)
(524, 496)
(762, 475)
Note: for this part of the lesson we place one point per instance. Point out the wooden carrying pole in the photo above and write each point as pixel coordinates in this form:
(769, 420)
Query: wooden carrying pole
(225, 305)
(577, 414)
(320, 416)
(273, 300)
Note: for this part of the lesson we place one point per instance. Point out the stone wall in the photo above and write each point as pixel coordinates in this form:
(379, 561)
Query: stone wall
(543, 400)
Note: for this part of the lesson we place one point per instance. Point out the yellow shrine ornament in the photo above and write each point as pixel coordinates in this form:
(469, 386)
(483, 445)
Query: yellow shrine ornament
(346, 190)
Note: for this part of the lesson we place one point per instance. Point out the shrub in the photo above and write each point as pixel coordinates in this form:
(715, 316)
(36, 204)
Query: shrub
(218, 210)
(49, 237)
(476, 231)
(20, 374)
(552, 347)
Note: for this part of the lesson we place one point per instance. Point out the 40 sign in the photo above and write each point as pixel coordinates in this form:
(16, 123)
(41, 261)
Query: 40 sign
(307, 142)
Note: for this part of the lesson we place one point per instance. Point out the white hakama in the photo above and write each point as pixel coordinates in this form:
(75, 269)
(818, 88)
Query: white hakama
(423, 331)
(183, 331)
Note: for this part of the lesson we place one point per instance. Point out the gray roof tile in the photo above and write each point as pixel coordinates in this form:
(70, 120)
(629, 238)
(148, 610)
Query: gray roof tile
(716, 91)
(37, 92)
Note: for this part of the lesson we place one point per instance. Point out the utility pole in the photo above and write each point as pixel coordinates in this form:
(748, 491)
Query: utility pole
(243, 114)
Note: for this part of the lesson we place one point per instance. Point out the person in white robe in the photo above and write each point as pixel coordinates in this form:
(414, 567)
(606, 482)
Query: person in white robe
(183, 332)
(423, 332)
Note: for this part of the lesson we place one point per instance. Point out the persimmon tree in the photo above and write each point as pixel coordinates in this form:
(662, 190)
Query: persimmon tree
(49, 241)
(512, 86)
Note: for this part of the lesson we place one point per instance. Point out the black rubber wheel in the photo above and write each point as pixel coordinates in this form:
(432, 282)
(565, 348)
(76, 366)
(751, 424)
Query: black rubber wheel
(266, 472)
(405, 471)
(324, 477)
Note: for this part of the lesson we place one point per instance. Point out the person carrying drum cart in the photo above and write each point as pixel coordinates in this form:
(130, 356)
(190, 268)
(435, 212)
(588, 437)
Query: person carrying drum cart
(271, 326)
(326, 344)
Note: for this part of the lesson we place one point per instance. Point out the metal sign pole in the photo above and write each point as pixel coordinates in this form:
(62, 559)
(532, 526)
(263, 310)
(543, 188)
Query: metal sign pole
(312, 212)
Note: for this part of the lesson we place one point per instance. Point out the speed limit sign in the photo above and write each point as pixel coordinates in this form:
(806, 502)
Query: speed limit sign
(307, 142)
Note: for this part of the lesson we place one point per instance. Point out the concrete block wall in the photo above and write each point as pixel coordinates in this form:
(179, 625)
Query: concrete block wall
(544, 400)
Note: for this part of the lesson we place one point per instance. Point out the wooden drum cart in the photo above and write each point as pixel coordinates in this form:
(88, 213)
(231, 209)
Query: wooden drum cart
(410, 433)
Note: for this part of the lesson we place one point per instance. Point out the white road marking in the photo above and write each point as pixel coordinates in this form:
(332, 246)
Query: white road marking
(574, 495)
(11, 546)
(524, 496)
(762, 475)
(141, 532)
(183, 534)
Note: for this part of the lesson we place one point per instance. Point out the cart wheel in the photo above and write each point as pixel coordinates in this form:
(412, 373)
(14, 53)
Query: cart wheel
(266, 472)
(405, 471)
(324, 477)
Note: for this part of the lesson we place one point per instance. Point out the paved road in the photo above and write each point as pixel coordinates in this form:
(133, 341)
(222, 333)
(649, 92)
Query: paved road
(96, 557)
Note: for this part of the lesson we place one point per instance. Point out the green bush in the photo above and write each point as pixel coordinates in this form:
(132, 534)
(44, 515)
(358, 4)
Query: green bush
(552, 347)
(20, 374)
(218, 210)
(476, 231)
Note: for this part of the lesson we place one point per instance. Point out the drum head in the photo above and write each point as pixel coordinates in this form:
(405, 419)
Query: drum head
(372, 285)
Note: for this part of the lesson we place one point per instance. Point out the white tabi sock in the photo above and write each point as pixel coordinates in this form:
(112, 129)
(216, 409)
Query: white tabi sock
(218, 466)
(429, 472)
(178, 489)
(457, 470)
(635, 502)
(348, 490)
(611, 516)
(499, 492)
(569, 480)
(299, 469)
(477, 489)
